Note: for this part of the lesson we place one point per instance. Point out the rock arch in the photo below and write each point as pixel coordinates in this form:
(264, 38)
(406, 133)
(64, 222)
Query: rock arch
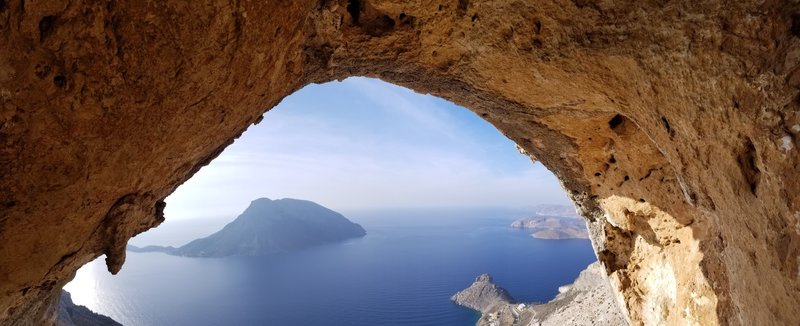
(673, 125)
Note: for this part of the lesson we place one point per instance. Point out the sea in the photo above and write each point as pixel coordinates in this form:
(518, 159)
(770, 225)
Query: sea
(402, 272)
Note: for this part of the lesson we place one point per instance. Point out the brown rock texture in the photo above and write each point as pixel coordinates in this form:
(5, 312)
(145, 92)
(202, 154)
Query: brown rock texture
(673, 125)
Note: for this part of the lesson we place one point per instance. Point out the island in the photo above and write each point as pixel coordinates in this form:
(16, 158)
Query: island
(553, 227)
(270, 227)
(555, 210)
(483, 295)
(587, 301)
(553, 222)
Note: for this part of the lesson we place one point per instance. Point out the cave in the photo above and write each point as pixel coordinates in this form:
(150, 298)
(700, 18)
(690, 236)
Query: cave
(673, 126)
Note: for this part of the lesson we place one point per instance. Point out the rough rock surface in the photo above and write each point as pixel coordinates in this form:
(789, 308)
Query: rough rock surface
(588, 301)
(483, 295)
(70, 314)
(674, 125)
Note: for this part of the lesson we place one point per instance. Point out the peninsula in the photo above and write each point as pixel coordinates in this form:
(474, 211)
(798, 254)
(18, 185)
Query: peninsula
(587, 301)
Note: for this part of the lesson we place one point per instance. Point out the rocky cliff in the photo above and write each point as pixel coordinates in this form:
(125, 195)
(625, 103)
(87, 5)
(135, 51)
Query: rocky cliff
(673, 125)
(483, 295)
(588, 301)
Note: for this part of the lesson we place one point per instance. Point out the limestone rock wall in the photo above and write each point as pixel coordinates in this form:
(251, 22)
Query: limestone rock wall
(674, 126)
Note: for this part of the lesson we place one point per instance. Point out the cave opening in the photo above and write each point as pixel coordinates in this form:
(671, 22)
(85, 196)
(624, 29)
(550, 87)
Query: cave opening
(386, 157)
(106, 109)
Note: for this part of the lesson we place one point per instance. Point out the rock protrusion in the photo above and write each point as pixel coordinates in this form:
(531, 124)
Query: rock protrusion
(483, 295)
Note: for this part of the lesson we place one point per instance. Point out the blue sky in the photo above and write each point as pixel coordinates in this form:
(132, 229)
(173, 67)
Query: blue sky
(366, 144)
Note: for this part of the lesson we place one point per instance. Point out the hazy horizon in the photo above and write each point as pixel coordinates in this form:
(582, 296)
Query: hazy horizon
(180, 232)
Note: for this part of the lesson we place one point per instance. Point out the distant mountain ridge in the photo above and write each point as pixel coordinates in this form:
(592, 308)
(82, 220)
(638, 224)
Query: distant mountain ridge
(555, 210)
(269, 227)
(553, 222)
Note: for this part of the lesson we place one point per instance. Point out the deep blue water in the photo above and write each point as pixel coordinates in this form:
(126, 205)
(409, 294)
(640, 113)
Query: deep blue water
(402, 273)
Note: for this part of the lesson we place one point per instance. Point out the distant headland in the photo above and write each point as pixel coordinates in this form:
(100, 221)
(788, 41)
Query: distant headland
(553, 222)
(587, 301)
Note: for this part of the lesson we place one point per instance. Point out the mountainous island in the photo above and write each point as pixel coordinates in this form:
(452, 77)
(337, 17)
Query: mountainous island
(555, 210)
(587, 301)
(483, 295)
(269, 227)
(553, 222)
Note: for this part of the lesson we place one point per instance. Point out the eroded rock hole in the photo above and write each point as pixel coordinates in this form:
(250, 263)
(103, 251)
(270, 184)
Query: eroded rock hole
(666, 125)
(60, 81)
(748, 165)
(538, 25)
(380, 26)
(406, 20)
(616, 121)
(354, 9)
(795, 29)
(46, 25)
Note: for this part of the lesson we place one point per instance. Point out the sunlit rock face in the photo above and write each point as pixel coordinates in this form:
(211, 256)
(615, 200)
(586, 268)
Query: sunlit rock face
(673, 125)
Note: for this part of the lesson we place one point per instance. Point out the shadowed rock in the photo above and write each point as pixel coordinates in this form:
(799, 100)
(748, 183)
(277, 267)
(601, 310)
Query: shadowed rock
(70, 314)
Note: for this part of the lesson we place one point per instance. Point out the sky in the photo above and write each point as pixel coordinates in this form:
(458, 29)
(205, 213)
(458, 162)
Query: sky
(363, 144)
